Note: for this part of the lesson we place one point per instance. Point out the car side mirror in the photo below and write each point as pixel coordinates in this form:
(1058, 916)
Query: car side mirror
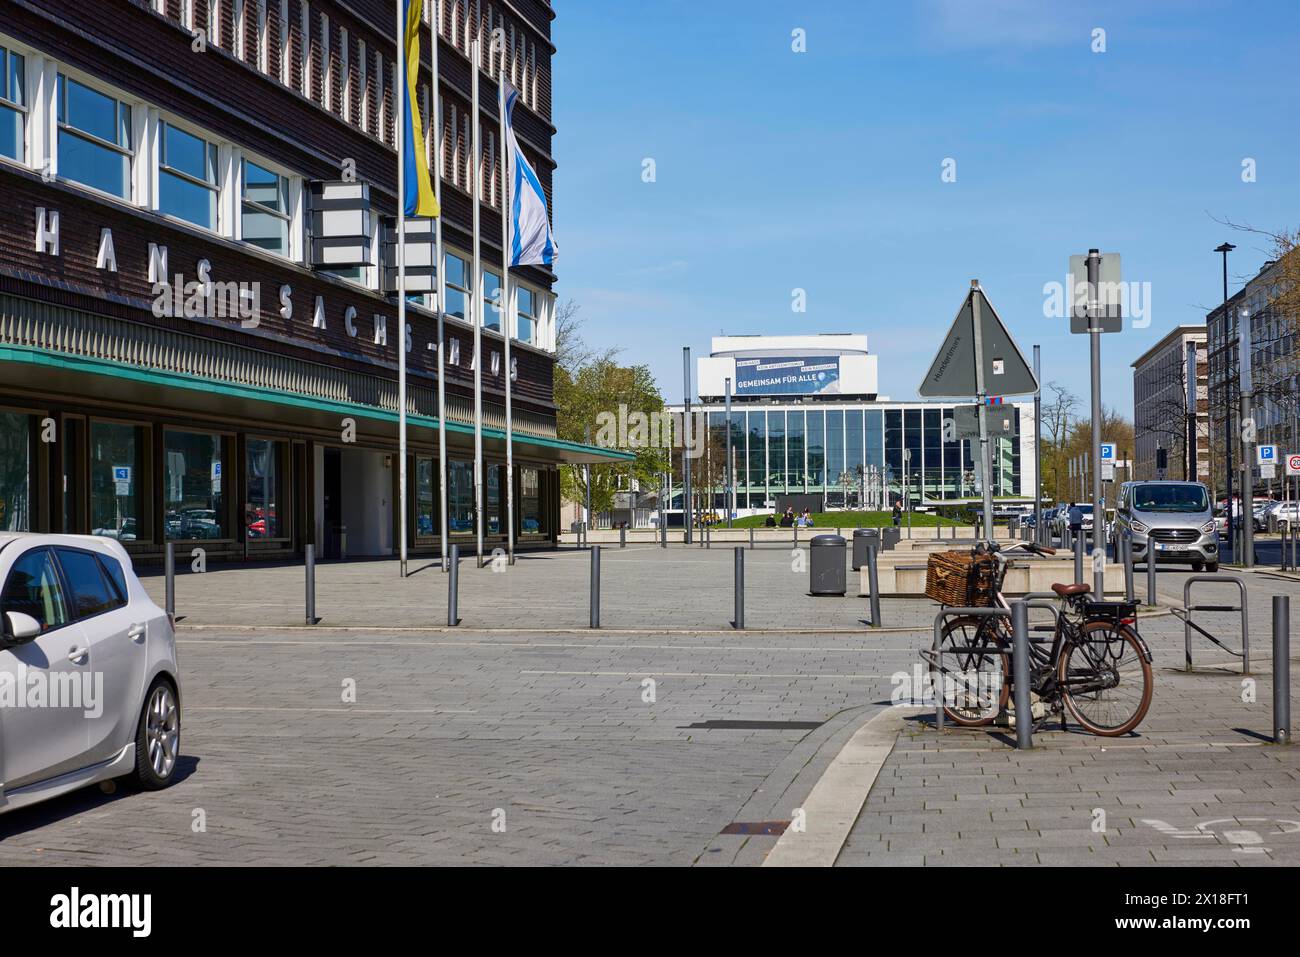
(19, 628)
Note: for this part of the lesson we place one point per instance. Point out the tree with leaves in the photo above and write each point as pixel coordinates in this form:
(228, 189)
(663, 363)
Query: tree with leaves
(591, 387)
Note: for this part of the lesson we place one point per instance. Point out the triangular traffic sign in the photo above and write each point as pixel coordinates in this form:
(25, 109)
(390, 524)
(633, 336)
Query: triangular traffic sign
(952, 373)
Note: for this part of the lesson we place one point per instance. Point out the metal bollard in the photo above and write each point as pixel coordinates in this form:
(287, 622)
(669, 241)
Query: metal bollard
(1020, 669)
(1078, 560)
(169, 580)
(453, 587)
(1126, 543)
(663, 535)
(1281, 669)
(708, 536)
(310, 557)
(595, 586)
(751, 538)
(1151, 572)
(622, 537)
(796, 536)
(739, 622)
(873, 582)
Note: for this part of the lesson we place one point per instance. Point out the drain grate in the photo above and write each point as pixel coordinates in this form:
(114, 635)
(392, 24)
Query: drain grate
(756, 725)
(756, 827)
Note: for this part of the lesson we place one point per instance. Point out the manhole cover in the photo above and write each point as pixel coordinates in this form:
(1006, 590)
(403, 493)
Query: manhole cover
(756, 827)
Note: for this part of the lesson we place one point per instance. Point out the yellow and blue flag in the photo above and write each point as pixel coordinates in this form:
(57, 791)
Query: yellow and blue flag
(419, 199)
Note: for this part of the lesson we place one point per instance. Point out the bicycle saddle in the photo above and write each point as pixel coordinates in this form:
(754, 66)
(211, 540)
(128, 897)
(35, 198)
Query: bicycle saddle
(1069, 591)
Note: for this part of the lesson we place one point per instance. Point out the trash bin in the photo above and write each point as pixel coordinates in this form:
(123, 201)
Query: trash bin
(862, 537)
(889, 538)
(827, 575)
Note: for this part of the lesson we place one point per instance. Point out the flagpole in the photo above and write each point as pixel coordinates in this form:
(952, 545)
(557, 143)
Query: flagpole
(507, 301)
(442, 290)
(399, 140)
(476, 298)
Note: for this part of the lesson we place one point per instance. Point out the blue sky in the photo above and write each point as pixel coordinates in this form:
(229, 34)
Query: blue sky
(778, 170)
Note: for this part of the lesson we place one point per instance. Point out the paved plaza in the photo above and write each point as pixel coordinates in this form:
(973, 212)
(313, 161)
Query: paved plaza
(522, 737)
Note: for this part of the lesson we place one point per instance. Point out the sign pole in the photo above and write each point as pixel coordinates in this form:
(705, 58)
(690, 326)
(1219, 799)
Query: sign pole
(1094, 336)
(728, 496)
(1038, 447)
(1247, 559)
(688, 512)
(986, 463)
(477, 301)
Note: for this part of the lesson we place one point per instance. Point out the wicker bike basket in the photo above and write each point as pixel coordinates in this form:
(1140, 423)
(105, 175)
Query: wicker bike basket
(961, 579)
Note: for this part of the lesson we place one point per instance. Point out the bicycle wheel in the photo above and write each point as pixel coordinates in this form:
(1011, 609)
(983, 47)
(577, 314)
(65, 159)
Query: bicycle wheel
(1105, 679)
(976, 686)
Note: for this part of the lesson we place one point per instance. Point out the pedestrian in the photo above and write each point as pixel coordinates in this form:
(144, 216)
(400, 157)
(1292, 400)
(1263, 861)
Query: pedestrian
(1076, 519)
(898, 512)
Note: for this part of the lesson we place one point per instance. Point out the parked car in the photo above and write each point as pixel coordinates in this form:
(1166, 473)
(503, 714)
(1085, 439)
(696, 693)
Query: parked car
(1171, 521)
(76, 621)
(1281, 511)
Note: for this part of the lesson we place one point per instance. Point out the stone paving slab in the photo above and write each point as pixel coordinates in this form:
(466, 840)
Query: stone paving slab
(1196, 784)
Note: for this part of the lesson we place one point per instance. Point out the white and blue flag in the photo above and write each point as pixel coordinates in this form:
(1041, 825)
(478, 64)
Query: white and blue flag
(531, 241)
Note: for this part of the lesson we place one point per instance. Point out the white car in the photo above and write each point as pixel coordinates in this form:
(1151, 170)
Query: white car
(89, 686)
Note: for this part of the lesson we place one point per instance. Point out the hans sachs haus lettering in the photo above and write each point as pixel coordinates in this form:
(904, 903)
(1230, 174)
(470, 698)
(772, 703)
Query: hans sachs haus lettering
(788, 375)
(203, 297)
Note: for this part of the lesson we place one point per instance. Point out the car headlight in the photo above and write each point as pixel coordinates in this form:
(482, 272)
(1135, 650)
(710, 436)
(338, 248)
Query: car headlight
(1208, 527)
(1139, 527)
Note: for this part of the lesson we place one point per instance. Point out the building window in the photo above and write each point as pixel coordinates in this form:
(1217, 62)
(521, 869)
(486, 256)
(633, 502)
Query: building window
(117, 473)
(460, 496)
(95, 139)
(264, 504)
(526, 317)
(15, 471)
(187, 177)
(457, 284)
(194, 502)
(491, 300)
(13, 105)
(530, 502)
(492, 516)
(426, 498)
(265, 208)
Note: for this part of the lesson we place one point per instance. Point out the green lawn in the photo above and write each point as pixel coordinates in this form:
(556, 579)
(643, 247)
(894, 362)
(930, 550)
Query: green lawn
(853, 520)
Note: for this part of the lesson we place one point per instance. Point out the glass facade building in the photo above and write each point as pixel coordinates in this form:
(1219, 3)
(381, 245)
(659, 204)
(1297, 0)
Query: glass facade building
(835, 449)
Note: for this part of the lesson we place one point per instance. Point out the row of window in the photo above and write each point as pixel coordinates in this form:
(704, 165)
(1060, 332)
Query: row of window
(338, 71)
(811, 450)
(102, 143)
(108, 485)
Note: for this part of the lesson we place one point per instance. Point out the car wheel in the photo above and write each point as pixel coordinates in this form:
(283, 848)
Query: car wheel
(1212, 567)
(158, 737)
(1198, 567)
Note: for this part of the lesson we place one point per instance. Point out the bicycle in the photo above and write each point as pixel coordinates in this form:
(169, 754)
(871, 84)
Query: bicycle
(1098, 668)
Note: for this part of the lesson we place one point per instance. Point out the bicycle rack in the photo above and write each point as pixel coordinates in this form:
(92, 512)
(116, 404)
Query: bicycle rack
(1185, 614)
(935, 655)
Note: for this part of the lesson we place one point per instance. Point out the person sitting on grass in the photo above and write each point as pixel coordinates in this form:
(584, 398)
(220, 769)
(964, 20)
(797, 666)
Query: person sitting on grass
(787, 520)
(770, 521)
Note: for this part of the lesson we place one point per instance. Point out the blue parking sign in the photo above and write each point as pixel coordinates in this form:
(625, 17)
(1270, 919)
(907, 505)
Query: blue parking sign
(1267, 454)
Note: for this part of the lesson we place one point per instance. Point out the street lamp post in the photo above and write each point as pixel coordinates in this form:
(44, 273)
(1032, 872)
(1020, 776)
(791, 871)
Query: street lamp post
(1226, 248)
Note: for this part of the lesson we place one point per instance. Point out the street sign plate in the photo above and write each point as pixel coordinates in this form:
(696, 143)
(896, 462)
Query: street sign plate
(1293, 465)
(1110, 297)
(1267, 470)
(1265, 454)
(1107, 453)
(966, 421)
(953, 371)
